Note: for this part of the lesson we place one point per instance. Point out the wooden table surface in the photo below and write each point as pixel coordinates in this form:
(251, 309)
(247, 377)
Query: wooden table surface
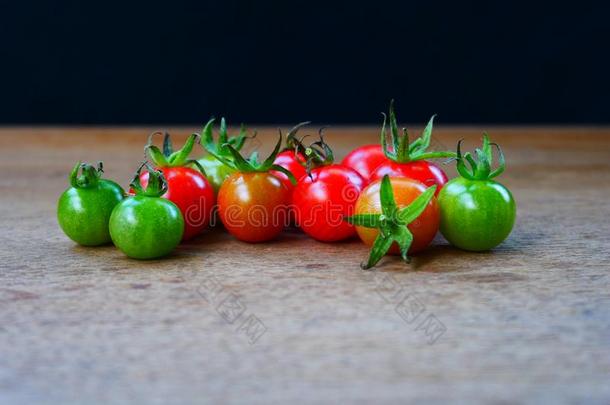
(295, 319)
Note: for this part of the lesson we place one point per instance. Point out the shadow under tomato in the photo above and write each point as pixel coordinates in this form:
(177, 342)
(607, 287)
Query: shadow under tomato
(443, 258)
(208, 237)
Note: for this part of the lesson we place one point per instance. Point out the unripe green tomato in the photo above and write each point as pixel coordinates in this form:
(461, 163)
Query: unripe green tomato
(145, 227)
(215, 171)
(83, 213)
(476, 215)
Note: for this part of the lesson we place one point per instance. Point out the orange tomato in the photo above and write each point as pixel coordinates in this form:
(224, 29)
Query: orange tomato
(253, 206)
(424, 228)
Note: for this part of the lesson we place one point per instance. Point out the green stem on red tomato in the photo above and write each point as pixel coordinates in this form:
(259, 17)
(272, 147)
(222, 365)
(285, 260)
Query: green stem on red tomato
(292, 143)
(317, 153)
(401, 150)
(168, 157)
(157, 184)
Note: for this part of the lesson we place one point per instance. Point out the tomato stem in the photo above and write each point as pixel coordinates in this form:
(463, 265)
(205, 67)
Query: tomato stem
(292, 143)
(218, 147)
(392, 222)
(400, 150)
(157, 184)
(250, 165)
(481, 167)
(169, 158)
(317, 153)
(88, 177)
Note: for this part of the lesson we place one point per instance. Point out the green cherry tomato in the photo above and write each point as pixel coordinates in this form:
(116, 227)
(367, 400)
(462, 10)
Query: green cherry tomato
(146, 226)
(215, 171)
(84, 209)
(477, 213)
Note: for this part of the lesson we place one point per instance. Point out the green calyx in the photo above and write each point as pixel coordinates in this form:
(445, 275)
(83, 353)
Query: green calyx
(219, 148)
(157, 184)
(168, 157)
(392, 222)
(251, 165)
(481, 168)
(88, 177)
(401, 151)
(317, 153)
(292, 143)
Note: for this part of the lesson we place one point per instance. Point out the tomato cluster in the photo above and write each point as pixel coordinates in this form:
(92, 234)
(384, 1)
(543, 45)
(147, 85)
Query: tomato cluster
(389, 194)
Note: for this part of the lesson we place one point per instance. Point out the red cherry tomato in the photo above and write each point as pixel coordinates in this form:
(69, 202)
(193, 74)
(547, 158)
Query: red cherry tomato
(365, 159)
(322, 200)
(192, 193)
(424, 228)
(423, 171)
(293, 163)
(253, 207)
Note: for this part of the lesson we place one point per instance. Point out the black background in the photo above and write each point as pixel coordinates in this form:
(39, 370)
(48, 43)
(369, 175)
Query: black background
(287, 61)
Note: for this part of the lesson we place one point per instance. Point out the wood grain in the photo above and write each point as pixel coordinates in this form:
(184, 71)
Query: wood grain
(528, 322)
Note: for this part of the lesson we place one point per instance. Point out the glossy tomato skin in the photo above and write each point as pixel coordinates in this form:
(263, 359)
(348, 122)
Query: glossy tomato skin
(423, 171)
(192, 193)
(216, 172)
(294, 163)
(145, 227)
(424, 228)
(83, 213)
(476, 215)
(321, 201)
(365, 159)
(253, 207)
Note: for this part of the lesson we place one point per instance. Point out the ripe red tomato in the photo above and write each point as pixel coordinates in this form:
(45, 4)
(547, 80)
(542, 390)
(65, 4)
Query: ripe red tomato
(253, 206)
(421, 170)
(293, 163)
(424, 228)
(322, 199)
(410, 159)
(292, 157)
(192, 193)
(186, 187)
(365, 159)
